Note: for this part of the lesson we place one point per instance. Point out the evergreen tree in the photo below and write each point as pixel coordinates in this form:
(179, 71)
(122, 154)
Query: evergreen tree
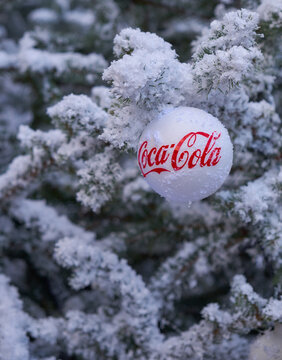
(94, 264)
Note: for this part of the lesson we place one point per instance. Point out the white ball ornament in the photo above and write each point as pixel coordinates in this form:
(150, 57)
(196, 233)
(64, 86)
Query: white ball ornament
(267, 346)
(185, 154)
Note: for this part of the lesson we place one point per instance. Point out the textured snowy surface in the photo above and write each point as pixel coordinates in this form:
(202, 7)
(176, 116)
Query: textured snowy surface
(94, 264)
(78, 112)
(13, 340)
(270, 10)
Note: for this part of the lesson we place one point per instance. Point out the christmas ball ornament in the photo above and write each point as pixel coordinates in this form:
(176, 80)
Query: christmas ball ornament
(185, 154)
(267, 346)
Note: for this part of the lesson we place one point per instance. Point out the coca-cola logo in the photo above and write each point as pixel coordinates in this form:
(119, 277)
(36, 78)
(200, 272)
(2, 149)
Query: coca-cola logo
(178, 156)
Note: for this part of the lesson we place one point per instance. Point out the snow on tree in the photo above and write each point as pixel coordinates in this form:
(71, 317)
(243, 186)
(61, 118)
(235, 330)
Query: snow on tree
(94, 264)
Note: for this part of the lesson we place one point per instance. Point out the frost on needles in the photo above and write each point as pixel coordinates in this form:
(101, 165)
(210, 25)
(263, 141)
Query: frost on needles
(94, 265)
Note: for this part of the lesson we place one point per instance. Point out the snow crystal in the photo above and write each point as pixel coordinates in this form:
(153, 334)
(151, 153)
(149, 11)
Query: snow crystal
(131, 40)
(13, 340)
(52, 226)
(42, 61)
(237, 28)
(43, 15)
(213, 313)
(78, 112)
(274, 310)
(97, 181)
(101, 95)
(271, 10)
(84, 18)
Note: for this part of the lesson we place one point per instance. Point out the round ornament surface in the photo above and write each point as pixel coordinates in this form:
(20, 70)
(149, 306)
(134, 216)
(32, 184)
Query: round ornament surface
(185, 154)
(267, 346)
